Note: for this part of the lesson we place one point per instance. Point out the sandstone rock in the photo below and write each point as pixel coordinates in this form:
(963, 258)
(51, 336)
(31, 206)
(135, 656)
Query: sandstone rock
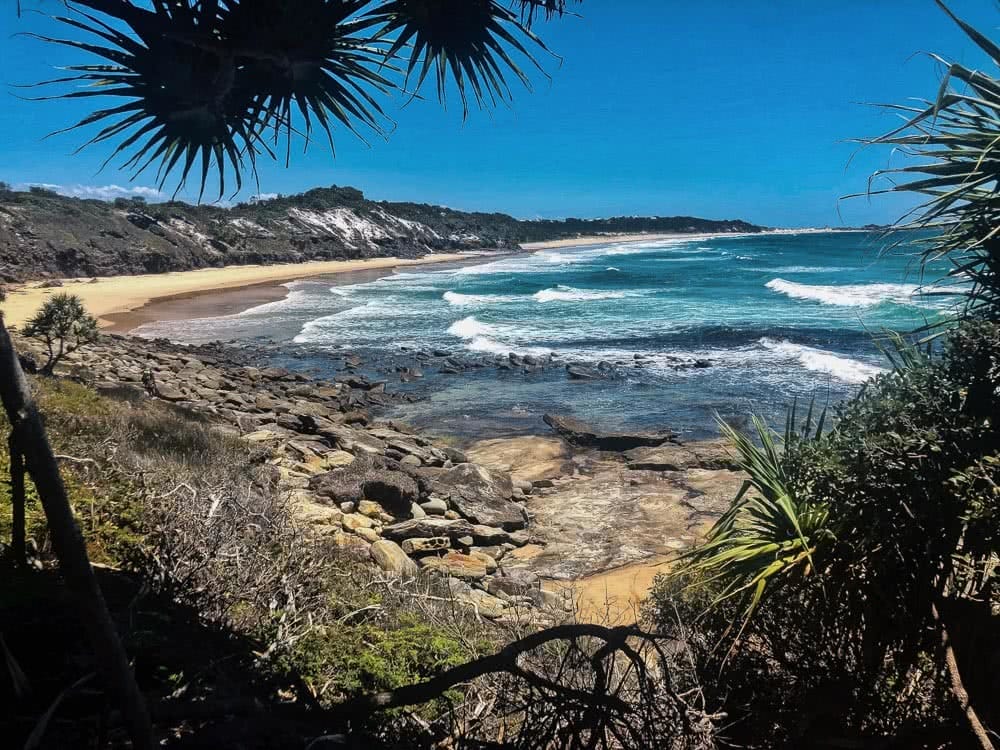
(708, 454)
(457, 565)
(435, 506)
(486, 605)
(370, 509)
(355, 521)
(348, 507)
(482, 495)
(390, 557)
(514, 582)
(169, 392)
(488, 562)
(419, 546)
(369, 535)
(581, 434)
(416, 511)
(352, 440)
(431, 527)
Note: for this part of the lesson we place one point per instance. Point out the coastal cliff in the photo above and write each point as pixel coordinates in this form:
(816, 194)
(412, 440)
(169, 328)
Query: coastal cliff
(43, 234)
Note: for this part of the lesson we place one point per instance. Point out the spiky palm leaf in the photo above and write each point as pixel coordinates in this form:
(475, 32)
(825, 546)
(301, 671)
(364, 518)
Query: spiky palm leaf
(954, 141)
(313, 57)
(470, 42)
(767, 534)
(181, 103)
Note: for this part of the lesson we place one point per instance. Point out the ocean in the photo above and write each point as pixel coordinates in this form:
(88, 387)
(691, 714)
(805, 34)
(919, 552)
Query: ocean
(775, 317)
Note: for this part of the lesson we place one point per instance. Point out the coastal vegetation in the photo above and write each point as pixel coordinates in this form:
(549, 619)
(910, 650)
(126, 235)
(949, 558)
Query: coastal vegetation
(63, 325)
(854, 576)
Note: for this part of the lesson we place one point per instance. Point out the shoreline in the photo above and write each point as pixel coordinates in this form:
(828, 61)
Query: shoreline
(113, 299)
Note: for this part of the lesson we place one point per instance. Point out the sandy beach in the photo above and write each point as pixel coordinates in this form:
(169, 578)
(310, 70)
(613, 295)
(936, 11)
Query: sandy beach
(118, 301)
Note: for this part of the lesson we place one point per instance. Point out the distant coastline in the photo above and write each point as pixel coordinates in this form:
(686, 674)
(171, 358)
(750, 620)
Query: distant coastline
(123, 303)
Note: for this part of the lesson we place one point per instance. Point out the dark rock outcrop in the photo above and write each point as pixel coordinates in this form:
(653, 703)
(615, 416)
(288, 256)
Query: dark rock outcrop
(369, 478)
(481, 495)
(579, 433)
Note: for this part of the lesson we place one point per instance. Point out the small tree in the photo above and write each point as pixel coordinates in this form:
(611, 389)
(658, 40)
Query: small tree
(64, 325)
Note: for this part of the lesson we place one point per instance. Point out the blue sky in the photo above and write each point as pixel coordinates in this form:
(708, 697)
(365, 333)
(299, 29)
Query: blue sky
(719, 108)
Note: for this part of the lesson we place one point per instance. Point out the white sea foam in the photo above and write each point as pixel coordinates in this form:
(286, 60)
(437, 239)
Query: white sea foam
(466, 300)
(569, 294)
(490, 338)
(847, 295)
(818, 360)
(612, 268)
(808, 269)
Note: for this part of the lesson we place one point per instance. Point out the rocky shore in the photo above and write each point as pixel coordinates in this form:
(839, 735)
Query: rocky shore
(500, 520)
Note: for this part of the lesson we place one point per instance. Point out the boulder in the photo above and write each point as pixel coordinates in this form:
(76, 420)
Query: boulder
(419, 546)
(576, 372)
(579, 433)
(390, 557)
(708, 454)
(482, 495)
(432, 527)
(369, 478)
(457, 565)
(355, 521)
(435, 507)
(514, 582)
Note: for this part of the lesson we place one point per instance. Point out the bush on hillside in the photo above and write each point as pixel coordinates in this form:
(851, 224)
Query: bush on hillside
(63, 325)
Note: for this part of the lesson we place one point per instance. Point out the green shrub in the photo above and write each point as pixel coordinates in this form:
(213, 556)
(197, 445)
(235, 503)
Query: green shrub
(849, 646)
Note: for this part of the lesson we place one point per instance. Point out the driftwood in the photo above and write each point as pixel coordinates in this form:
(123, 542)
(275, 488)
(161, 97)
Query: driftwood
(68, 544)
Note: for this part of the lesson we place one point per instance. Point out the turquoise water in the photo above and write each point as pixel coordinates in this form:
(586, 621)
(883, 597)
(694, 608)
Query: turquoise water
(776, 316)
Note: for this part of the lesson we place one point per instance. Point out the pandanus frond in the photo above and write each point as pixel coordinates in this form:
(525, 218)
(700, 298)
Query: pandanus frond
(768, 535)
(952, 143)
(203, 82)
(181, 105)
(469, 42)
(313, 59)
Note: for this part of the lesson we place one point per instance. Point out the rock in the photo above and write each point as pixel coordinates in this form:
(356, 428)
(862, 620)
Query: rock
(371, 509)
(435, 507)
(392, 558)
(355, 521)
(348, 507)
(456, 565)
(352, 440)
(416, 511)
(169, 393)
(419, 546)
(369, 535)
(488, 562)
(486, 605)
(708, 454)
(581, 434)
(369, 478)
(482, 495)
(527, 458)
(576, 372)
(514, 582)
(465, 541)
(432, 527)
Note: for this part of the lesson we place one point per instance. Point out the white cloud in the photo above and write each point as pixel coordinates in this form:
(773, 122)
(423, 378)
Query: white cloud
(104, 192)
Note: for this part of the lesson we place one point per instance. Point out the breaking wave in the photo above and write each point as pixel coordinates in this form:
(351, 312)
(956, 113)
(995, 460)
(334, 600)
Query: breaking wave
(848, 295)
(843, 368)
